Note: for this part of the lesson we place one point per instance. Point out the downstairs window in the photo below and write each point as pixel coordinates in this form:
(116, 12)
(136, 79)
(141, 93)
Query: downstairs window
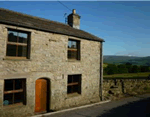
(74, 84)
(14, 92)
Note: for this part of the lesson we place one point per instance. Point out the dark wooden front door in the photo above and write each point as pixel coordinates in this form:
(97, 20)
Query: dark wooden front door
(40, 95)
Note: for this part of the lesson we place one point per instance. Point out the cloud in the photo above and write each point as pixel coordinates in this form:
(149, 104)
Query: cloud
(132, 53)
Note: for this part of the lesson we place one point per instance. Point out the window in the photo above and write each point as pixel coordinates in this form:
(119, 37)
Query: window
(74, 84)
(18, 44)
(14, 91)
(73, 49)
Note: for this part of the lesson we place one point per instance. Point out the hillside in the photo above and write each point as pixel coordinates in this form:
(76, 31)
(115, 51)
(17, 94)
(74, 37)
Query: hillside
(112, 59)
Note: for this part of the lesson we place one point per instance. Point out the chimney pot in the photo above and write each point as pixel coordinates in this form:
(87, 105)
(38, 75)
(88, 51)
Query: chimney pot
(74, 11)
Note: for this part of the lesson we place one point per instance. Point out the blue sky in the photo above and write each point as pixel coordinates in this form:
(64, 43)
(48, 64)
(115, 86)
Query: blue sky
(125, 26)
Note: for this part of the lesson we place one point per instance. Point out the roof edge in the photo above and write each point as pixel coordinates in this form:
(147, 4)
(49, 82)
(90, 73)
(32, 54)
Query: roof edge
(35, 28)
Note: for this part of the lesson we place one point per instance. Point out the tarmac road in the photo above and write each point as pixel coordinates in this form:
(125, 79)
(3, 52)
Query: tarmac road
(138, 106)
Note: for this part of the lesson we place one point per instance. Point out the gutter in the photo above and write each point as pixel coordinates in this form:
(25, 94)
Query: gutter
(101, 72)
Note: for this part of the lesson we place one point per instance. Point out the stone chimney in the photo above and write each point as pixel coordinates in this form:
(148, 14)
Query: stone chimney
(74, 20)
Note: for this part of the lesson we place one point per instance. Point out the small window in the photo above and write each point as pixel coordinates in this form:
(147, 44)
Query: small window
(73, 49)
(14, 92)
(18, 44)
(74, 84)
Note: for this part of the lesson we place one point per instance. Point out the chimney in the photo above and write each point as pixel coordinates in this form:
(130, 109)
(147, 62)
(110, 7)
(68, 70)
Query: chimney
(74, 20)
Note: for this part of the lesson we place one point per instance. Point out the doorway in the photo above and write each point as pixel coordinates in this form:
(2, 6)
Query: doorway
(42, 95)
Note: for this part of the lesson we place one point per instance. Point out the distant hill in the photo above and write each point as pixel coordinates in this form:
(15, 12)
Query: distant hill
(112, 59)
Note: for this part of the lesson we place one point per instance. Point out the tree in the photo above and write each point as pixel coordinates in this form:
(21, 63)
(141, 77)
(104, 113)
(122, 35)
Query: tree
(128, 64)
(144, 68)
(111, 69)
(129, 67)
(122, 68)
(135, 69)
(105, 71)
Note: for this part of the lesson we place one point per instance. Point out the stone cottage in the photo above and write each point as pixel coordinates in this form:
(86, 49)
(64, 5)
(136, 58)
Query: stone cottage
(47, 65)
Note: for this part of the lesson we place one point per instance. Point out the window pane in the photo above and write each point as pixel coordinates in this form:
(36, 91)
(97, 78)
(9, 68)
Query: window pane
(72, 54)
(69, 44)
(8, 85)
(69, 78)
(18, 84)
(69, 89)
(22, 51)
(76, 78)
(11, 50)
(69, 54)
(22, 37)
(18, 97)
(12, 36)
(75, 88)
(74, 44)
(8, 99)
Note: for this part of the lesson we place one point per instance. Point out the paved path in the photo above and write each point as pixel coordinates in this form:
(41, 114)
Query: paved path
(138, 106)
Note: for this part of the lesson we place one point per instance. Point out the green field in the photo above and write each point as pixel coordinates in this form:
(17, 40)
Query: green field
(129, 75)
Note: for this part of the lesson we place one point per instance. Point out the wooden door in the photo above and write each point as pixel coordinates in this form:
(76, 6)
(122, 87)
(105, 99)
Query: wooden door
(40, 95)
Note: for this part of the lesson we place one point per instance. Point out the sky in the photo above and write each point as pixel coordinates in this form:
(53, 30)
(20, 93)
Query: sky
(125, 26)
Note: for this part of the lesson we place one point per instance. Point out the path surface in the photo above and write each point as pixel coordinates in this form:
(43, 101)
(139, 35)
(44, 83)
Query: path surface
(138, 106)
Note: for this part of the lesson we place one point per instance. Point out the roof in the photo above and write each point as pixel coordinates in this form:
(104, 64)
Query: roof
(27, 21)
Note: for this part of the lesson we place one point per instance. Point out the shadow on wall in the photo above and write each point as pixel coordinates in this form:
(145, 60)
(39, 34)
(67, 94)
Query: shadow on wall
(135, 109)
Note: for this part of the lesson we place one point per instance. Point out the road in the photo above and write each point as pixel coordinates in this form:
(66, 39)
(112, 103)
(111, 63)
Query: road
(138, 106)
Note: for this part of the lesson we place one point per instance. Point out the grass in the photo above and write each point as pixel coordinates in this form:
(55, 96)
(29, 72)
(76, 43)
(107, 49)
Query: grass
(129, 75)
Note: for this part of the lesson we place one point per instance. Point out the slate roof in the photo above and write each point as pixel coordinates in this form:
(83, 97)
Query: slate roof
(27, 21)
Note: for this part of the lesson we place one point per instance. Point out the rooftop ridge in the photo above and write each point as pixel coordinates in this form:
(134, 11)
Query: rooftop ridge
(31, 16)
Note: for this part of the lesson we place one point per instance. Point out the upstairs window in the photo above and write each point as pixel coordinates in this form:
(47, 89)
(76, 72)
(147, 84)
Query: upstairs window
(73, 49)
(18, 44)
(14, 92)
(74, 84)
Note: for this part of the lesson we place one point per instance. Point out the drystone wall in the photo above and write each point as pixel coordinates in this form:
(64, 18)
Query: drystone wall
(118, 88)
(48, 59)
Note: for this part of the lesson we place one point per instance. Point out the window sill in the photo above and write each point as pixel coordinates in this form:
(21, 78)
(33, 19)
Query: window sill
(73, 95)
(17, 105)
(17, 59)
(73, 60)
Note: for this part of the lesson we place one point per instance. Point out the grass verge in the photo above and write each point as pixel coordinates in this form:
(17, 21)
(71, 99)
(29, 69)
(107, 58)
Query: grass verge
(129, 75)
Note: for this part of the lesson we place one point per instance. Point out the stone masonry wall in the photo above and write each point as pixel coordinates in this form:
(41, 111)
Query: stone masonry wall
(118, 88)
(48, 59)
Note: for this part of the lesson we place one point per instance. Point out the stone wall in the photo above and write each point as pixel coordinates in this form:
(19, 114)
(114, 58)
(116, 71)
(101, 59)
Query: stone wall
(48, 59)
(118, 88)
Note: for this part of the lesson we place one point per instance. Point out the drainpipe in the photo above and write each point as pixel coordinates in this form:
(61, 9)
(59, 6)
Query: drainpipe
(101, 71)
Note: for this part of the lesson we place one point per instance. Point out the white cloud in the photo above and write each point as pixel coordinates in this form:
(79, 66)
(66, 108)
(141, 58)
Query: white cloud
(132, 53)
